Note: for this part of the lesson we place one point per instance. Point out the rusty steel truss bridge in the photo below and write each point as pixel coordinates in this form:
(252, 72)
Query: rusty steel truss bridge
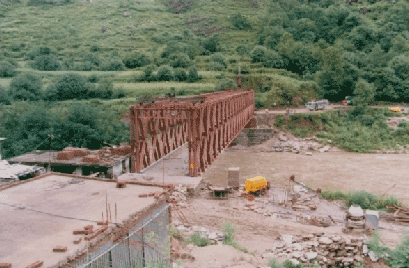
(208, 122)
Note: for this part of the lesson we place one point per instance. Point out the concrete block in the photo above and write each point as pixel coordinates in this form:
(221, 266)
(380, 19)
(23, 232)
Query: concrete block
(372, 218)
(60, 249)
(233, 177)
(36, 264)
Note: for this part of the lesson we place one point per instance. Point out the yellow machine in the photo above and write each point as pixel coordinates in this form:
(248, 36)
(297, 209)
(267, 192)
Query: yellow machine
(255, 184)
(395, 109)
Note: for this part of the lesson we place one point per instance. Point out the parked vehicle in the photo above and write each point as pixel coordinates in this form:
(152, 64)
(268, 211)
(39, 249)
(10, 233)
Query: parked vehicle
(317, 105)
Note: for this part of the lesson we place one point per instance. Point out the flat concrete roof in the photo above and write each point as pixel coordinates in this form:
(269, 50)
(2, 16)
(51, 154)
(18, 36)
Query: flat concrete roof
(45, 157)
(27, 236)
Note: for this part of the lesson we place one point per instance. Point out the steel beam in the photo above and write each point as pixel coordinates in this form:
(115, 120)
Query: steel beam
(209, 126)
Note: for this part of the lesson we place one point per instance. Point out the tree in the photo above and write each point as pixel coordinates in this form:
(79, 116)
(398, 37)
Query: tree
(164, 73)
(239, 22)
(330, 78)
(7, 69)
(258, 53)
(364, 93)
(273, 60)
(46, 63)
(71, 86)
(400, 64)
(135, 60)
(193, 75)
(26, 86)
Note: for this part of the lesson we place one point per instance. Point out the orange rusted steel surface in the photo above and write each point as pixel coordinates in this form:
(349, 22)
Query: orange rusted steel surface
(208, 122)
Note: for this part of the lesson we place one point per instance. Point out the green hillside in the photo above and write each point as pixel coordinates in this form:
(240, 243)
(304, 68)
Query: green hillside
(57, 55)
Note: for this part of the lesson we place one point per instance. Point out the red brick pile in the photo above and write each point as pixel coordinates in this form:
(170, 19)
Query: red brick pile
(77, 151)
(123, 149)
(92, 158)
(36, 264)
(65, 155)
(60, 249)
(97, 232)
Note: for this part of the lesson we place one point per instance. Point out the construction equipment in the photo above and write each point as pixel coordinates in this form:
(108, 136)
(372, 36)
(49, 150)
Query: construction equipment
(395, 109)
(255, 187)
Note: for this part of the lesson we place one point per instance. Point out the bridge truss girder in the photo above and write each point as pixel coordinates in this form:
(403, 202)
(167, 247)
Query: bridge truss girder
(208, 126)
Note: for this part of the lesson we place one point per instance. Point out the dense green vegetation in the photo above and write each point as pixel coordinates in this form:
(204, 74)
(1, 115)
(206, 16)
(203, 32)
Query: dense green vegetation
(360, 129)
(55, 53)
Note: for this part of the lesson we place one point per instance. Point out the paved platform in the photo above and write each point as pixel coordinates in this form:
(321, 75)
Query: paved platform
(174, 170)
(27, 236)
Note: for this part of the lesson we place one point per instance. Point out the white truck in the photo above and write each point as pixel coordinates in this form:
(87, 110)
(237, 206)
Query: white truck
(317, 105)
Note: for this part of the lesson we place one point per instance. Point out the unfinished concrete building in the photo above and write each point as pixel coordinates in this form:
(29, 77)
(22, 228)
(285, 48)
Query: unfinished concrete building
(108, 162)
(59, 220)
(17, 172)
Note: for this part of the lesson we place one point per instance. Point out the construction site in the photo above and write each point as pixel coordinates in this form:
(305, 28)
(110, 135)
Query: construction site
(193, 189)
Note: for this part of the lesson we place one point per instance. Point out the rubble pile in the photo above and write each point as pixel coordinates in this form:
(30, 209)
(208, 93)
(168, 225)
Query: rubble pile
(315, 220)
(312, 249)
(284, 144)
(216, 237)
(355, 220)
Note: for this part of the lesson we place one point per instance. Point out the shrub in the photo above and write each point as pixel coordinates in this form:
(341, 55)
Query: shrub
(193, 75)
(258, 53)
(46, 63)
(219, 58)
(104, 90)
(179, 60)
(83, 66)
(93, 78)
(71, 86)
(38, 51)
(4, 96)
(179, 75)
(7, 69)
(16, 47)
(198, 240)
(216, 66)
(274, 263)
(228, 231)
(164, 73)
(362, 198)
(375, 246)
(399, 257)
(112, 64)
(244, 68)
(273, 60)
(226, 83)
(178, 6)
(94, 48)
(25, 86)
(334, 195)
(93, 59)
(136, 60)
(242, 50)
(212, 43)
(239, 22)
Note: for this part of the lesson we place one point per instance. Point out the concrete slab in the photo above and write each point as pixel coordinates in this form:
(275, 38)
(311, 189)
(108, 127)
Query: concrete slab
(174, 170)
(30, 236)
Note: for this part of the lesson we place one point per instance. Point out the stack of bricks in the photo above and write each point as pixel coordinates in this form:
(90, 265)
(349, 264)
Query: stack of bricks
(65, 155)
(123, 149)
(60, 249)
(78, 152)
(92, 158)
(36, 264)
(355, 224)
(96, 233)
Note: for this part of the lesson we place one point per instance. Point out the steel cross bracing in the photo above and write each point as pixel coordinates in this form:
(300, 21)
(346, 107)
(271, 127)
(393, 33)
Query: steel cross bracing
(208, 126)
